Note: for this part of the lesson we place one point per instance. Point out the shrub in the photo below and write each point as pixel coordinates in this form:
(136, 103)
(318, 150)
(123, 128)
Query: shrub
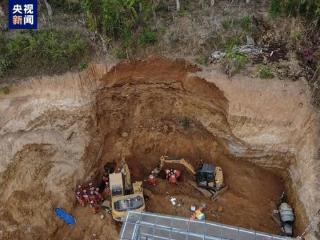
(234, 40)
(265, 72)
(275, 8)
(4, 65)
(121, 53)
(67, 6)
(148, 37)
(227, 24)
(202, 60)
(43, 51)
(246, 23)
(116, 18)
(236, 61)
(186, 123)
(305, 8)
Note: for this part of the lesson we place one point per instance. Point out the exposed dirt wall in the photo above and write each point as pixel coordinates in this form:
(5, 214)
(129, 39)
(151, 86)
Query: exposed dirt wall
(60, 130)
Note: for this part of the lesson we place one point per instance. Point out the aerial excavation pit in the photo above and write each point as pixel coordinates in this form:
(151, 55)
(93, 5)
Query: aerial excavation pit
(141, 110)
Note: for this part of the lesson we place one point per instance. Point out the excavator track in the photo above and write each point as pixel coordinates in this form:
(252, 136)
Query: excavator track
(209, 193)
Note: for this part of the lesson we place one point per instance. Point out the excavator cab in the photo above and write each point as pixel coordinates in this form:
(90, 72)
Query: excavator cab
(205, 176)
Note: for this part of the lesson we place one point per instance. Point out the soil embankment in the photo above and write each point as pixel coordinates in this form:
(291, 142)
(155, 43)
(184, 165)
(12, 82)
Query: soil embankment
(262, 136)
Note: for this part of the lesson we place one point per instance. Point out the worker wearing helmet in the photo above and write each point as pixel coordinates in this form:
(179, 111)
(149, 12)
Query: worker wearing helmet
(80, 198)
(152, 179)
(85, 196)
(173, 175)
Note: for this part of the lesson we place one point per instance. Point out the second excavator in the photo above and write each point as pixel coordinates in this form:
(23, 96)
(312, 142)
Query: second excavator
(209, 178)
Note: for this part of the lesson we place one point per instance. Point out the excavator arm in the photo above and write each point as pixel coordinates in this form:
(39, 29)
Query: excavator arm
(182, 161)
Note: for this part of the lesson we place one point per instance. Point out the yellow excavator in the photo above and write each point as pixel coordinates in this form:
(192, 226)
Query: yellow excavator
(124, 195)
(209, 178)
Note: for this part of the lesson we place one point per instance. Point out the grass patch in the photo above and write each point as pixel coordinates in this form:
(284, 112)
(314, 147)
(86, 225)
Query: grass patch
(202, 60)
(265, 72)
(65, 6)
(246, 23)
(5, 65)
(234, 40)
(148, 37)
(46, 51)
(227, 24)
(236, 61)
(121, 53)
(275, 9)
(121, 22)
(309, 9)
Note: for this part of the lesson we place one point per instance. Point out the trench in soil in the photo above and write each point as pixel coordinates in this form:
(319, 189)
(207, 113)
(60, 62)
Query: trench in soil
(143, 110)
(143, 114)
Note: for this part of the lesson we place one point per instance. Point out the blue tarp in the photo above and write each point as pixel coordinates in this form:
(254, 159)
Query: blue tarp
(64, 215)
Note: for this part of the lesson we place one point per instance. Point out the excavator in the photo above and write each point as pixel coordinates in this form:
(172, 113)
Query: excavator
(209, 178)
(124, 195)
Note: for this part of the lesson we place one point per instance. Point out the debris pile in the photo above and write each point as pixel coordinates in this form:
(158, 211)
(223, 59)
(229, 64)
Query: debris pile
(257, 54)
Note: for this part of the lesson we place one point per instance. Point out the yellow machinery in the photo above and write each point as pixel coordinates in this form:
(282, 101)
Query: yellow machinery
(123, 196)
(207, 176)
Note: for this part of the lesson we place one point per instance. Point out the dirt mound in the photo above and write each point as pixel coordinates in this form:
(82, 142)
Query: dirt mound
(141, 110)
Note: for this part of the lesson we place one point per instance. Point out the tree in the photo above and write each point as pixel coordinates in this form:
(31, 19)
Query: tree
(178, 5)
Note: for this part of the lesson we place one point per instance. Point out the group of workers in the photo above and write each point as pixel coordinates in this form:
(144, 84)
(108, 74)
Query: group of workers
(172, 175)
(92, 195)
(89, 195)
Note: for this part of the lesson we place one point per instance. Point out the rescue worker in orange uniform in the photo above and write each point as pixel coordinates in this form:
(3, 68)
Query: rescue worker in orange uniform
(152, 179)
(80, 199)
(173, 175)
(85, 196)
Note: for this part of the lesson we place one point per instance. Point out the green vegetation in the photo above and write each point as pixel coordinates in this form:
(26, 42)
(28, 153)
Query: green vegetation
(65, 6)
(121, 20)
(148, 37)
(233, 40)
(305, 8)
(227, 24)
(265, 72)
(185, 123)
(296, 36)
(120, 53)
(4, 65)
(275, 8)
(235, 33)
(246, 23)
(44, 50)
(236, 60)
(117, 18)
(202, 60)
